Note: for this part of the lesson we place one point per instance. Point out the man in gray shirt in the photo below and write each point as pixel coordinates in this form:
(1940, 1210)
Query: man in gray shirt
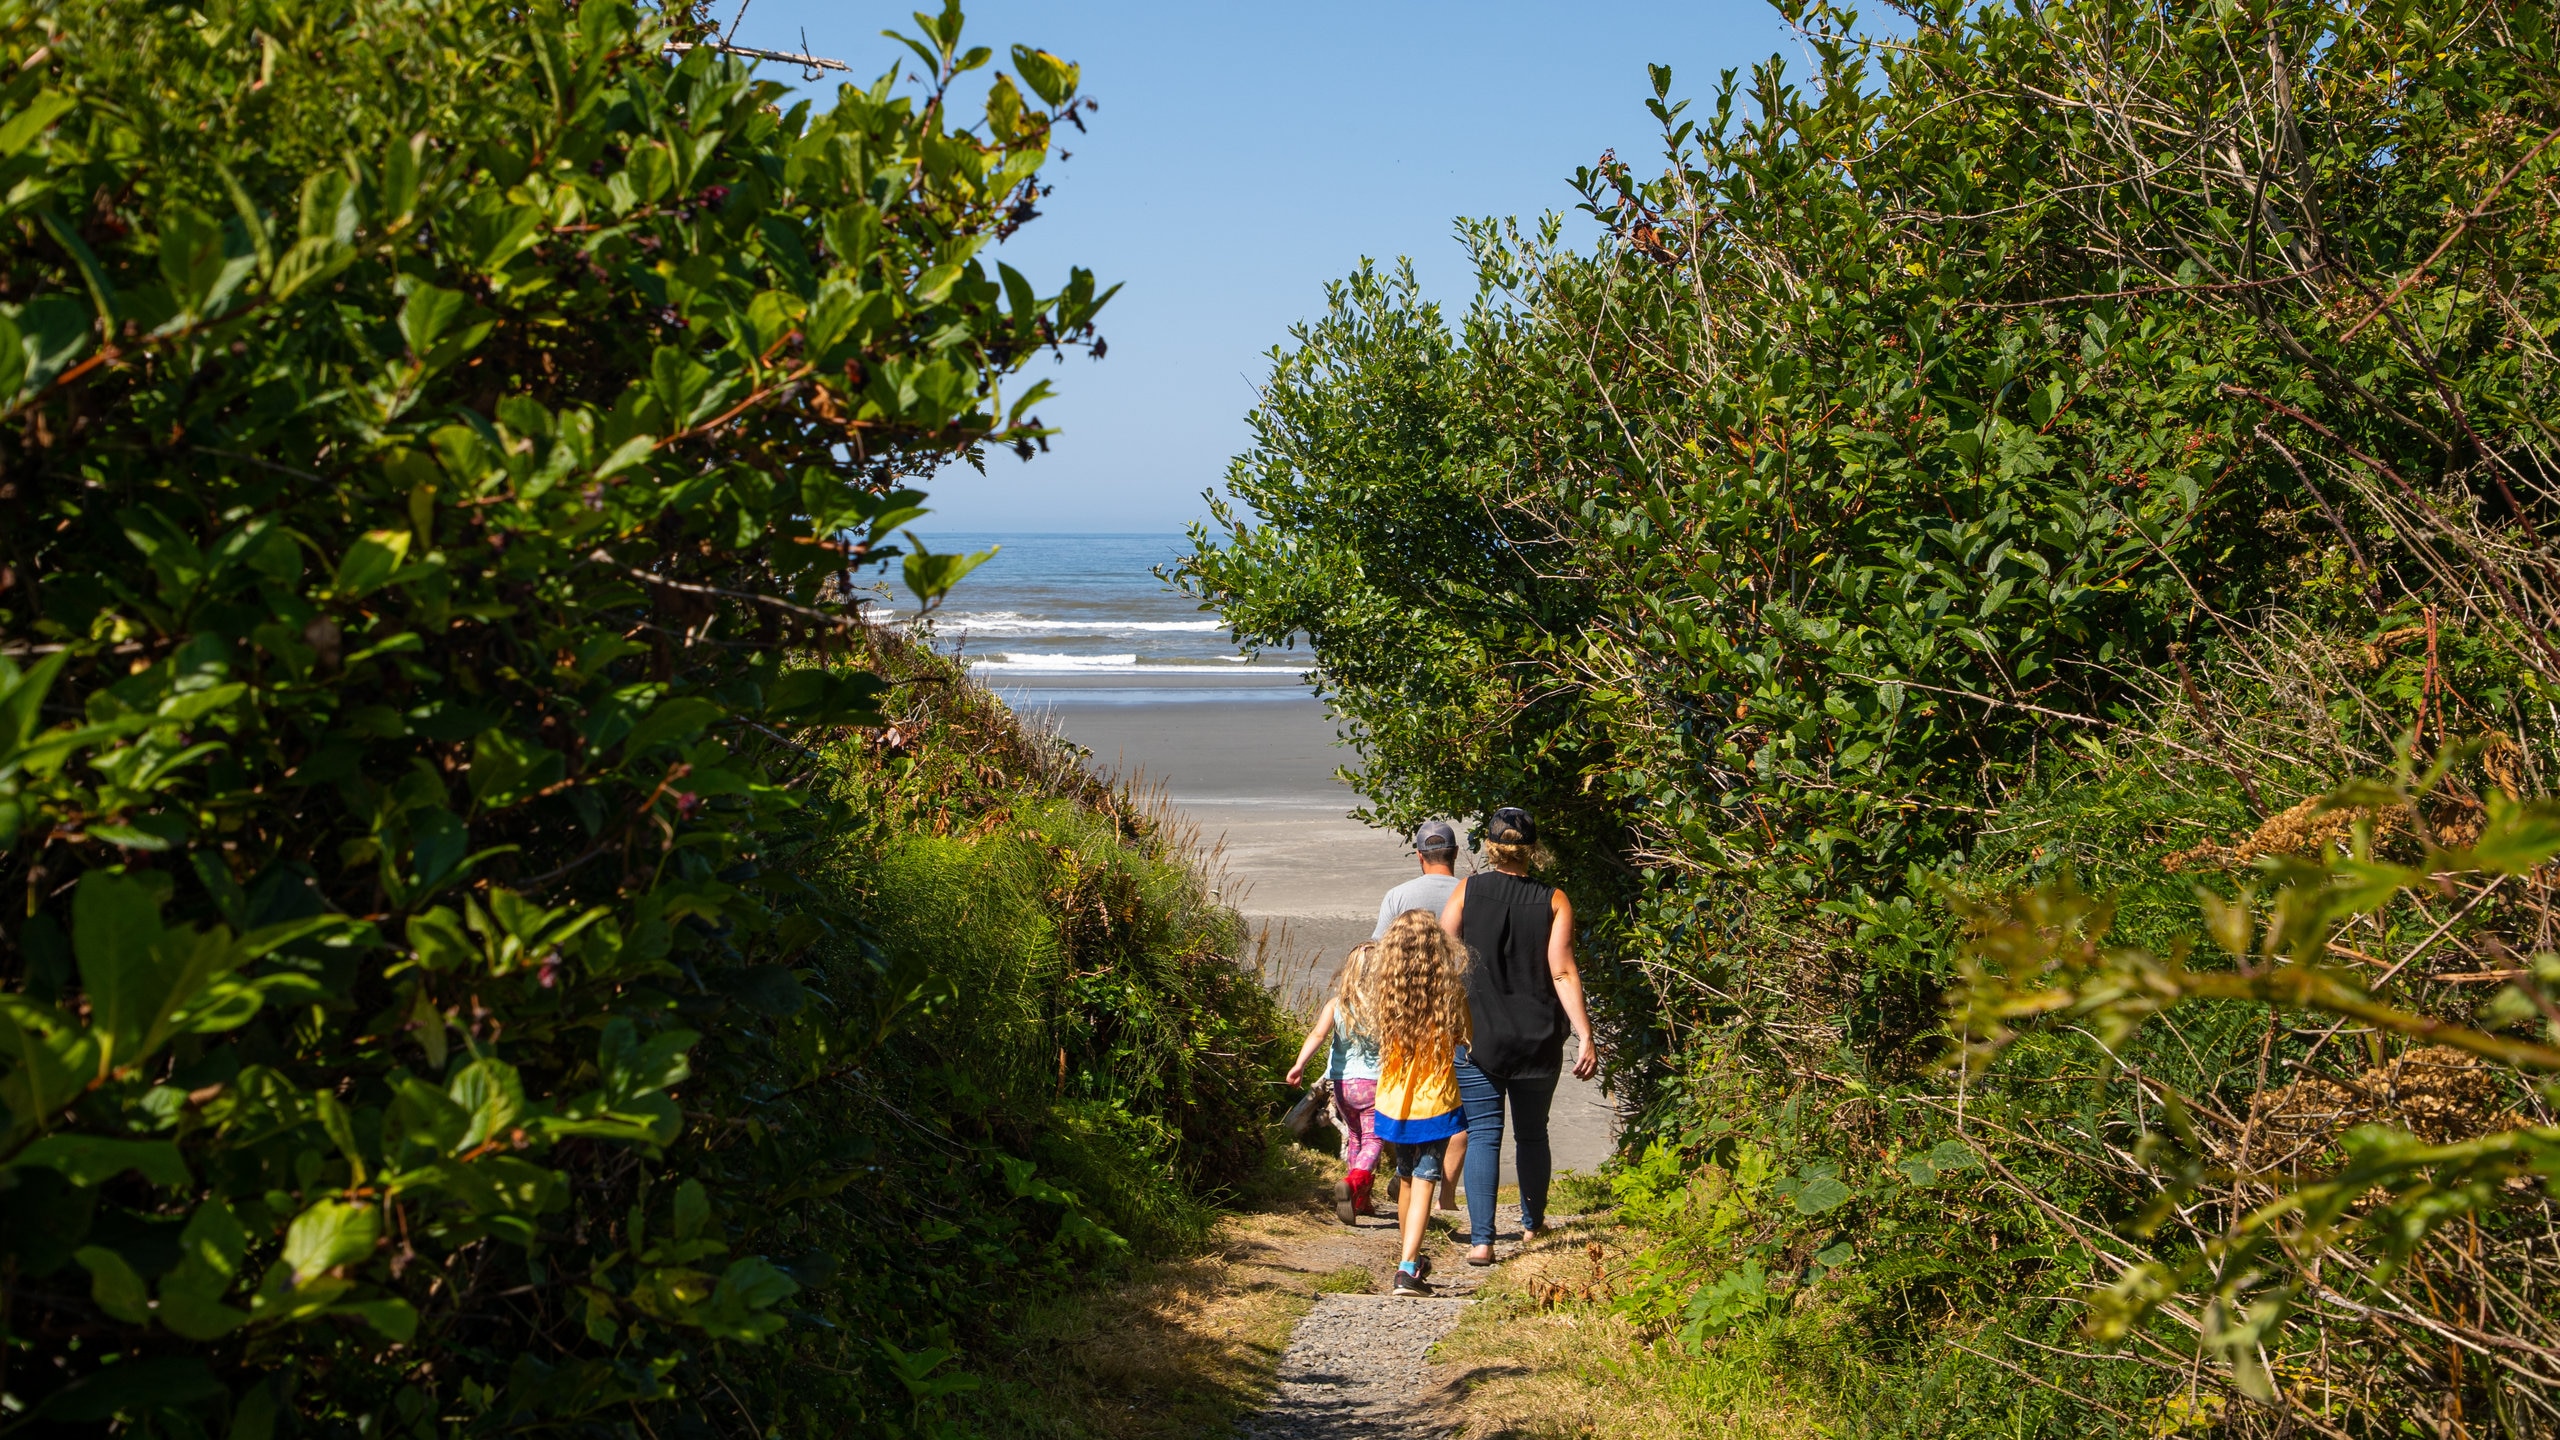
(1436, 846)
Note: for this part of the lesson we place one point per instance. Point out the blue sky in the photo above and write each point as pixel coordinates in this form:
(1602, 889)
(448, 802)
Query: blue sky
(1246, 154)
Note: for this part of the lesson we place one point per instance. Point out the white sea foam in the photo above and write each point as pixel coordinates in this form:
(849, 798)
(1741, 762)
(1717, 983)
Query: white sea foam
(1065, 662)
(1008, 622)
(1020, 663)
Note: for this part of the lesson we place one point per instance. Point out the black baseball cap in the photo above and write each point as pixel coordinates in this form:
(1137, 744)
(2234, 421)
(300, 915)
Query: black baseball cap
(1511, 825)
(1435, 837)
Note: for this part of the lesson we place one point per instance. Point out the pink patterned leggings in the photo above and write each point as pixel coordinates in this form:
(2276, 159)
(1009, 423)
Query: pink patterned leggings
(1357, 1102)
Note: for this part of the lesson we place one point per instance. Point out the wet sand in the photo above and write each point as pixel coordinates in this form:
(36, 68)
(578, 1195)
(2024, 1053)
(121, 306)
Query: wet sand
(1251, 758)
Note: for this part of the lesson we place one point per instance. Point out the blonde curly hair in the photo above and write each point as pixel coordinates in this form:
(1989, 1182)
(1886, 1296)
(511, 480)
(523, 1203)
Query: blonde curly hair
(1346, 989)
(1531, 858)
(1412, 995)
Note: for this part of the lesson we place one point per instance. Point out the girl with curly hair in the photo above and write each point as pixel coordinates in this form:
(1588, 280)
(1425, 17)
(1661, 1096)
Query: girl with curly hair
(1414, 1000)
(1354, 1075)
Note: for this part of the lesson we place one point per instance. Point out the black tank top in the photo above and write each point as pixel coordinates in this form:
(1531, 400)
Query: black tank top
(1519, 1023)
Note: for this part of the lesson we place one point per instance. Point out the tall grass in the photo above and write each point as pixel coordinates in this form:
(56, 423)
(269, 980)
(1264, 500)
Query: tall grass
(1079, 988)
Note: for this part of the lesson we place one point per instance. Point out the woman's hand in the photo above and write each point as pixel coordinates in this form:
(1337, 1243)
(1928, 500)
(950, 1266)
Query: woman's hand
(1586, 1064)
(1297, 1072)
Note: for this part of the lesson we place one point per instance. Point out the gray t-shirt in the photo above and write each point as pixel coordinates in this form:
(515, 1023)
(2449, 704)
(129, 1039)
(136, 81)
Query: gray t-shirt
(1422, 892)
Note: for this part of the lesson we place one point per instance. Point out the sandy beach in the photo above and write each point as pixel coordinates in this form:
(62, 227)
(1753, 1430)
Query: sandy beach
(1251, 761)
(1250, 757)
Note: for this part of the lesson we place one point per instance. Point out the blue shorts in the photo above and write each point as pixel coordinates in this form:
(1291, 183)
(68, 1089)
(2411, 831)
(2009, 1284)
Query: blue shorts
(1424, 1160)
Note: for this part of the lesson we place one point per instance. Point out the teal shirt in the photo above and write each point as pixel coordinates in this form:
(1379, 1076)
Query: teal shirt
(1355, 1057)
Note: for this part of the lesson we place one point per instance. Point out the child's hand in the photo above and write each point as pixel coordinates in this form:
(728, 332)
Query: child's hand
(1297, 1072)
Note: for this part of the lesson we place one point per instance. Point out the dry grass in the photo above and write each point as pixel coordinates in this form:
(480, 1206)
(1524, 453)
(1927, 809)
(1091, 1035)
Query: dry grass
(1180, 1348)
(1535, 1359)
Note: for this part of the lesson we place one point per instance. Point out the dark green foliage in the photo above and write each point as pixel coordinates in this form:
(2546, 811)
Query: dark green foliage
(1021, 1091)
(439, 442)
(2058, 441)
(1071, 974)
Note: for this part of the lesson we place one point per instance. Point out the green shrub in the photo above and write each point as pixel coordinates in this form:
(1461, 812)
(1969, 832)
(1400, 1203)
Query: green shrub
(2047, 439)
(439, 438)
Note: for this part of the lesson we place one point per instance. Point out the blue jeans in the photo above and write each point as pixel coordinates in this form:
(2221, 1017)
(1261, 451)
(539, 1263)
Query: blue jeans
(1529, 1098)
(1427, 1160)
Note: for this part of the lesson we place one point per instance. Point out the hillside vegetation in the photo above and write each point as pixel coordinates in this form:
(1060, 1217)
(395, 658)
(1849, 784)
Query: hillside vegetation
(2015, 571)
(500, 942)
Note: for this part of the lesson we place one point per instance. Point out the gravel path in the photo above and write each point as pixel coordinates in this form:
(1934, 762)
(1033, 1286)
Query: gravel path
(1359, 1365)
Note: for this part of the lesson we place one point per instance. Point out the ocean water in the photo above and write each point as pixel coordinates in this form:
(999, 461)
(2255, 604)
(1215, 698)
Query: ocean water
(1085, 615)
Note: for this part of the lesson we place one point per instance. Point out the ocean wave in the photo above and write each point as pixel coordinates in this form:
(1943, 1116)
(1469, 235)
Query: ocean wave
(1061, 662)
(1008, 622)
(1014, 662)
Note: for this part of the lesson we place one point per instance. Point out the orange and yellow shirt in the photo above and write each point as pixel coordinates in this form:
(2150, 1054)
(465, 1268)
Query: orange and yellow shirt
(1418, 1097)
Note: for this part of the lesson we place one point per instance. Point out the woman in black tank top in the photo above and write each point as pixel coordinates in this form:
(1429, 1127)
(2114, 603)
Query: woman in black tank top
(1525, 992)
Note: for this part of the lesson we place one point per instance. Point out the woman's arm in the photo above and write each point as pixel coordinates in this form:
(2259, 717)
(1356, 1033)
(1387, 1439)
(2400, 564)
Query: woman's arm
(1455, 910)
(1568, 978)
(1315, 1037)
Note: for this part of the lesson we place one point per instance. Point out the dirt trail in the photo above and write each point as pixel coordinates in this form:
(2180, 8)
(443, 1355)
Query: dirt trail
(1358, 1364)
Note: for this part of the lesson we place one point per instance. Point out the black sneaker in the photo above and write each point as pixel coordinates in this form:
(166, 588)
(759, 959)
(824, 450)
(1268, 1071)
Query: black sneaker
(1409, 1283)
(1342, 1205)
(1422, 1265)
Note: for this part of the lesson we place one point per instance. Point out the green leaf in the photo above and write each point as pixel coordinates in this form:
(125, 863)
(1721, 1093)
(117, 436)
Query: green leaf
(211, 1249)
(741, 1303)
(428, 315)
(2357, 886)
(692, 1210)
(492, 1095)
(127, 837)
(54, 331)
(21, 129)
(502, 1185)
(102, 292)
(686, 387)
(423, 1116)
(396, 1320)
(633, 1068)
(2517, 837)
(815, 696)
(507, 771)
(439, 941)
(629, 453)
(929, 577)
(371, 561)
(1004, 109)
(329, 1234)
(202, 261)
(340, 1125)
(13, 361)
(214, 1240)
(115, 922)
(1050, 78)
(935, 284)
(1821, 1194)
(255, 1416)
(671, 720)
(114, 1285)
(438, 844)
(50, 1060)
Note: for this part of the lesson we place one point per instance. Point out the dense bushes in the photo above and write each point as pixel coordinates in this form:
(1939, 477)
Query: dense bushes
(438, 443)
(1047, 1058)
(2067, 441)
(1074, 977)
